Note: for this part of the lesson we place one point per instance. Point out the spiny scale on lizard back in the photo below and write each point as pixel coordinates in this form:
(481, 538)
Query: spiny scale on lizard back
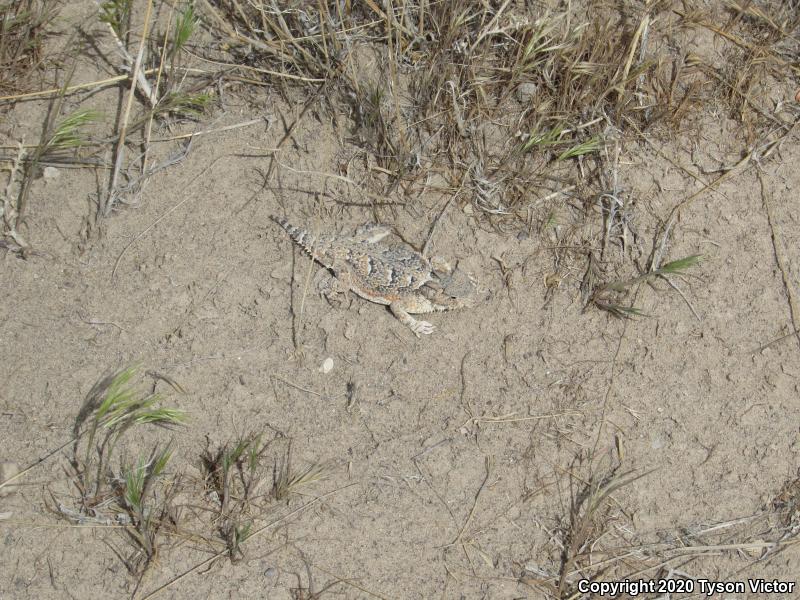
(392, 267)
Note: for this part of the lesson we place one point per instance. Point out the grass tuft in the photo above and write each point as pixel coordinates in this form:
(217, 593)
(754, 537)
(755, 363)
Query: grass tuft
(139, 497)
(602, 296)
(236, 478)
(148, 501)
(111, 409)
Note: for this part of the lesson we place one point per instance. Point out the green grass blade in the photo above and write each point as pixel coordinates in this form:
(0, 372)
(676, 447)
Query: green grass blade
(679, 266)
(118, 391)
(548, 138)
(593, 144)
(160, 462)
(134, 484)
(186, 104)
(184, 28)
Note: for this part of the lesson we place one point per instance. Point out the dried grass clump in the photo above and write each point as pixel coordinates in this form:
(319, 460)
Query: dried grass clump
(22, 32)
(519, 115)
(597, 538)
(237, 484)
(760, 47)
(494, 99)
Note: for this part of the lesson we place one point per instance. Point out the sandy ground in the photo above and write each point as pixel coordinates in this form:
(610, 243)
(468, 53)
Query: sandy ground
(452, 460)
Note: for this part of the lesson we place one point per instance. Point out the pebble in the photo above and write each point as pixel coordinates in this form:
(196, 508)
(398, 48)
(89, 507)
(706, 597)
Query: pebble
(327, 365)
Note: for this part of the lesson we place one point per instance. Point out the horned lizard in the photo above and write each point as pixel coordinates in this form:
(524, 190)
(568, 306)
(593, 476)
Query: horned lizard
(387, 274)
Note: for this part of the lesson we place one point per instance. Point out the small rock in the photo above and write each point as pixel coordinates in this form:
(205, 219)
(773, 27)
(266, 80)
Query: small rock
(51, 173)
(327, 365)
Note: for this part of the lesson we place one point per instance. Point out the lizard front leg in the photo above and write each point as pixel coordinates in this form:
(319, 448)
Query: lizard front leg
(401, 308)
(332, 288)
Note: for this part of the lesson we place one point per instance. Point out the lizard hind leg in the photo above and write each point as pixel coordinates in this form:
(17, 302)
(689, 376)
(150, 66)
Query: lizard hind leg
(400, 310)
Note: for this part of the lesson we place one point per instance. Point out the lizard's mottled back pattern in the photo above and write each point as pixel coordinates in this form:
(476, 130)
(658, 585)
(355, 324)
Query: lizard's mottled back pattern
(382, 273)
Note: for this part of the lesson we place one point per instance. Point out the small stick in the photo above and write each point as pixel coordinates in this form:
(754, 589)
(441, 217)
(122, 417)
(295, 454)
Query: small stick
(488, 466)
(780, 258)
(208, 131)
(124, 129)
(82, 86)
(510, 418)
(154, 98)
(302, 389)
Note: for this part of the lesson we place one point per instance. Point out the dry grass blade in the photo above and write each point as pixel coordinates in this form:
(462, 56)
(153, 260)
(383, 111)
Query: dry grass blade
(123, 130)
(289, 482)
(588, 516)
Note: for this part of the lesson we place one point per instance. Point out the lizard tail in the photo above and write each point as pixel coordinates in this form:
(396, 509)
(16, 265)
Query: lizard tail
(302, 237)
